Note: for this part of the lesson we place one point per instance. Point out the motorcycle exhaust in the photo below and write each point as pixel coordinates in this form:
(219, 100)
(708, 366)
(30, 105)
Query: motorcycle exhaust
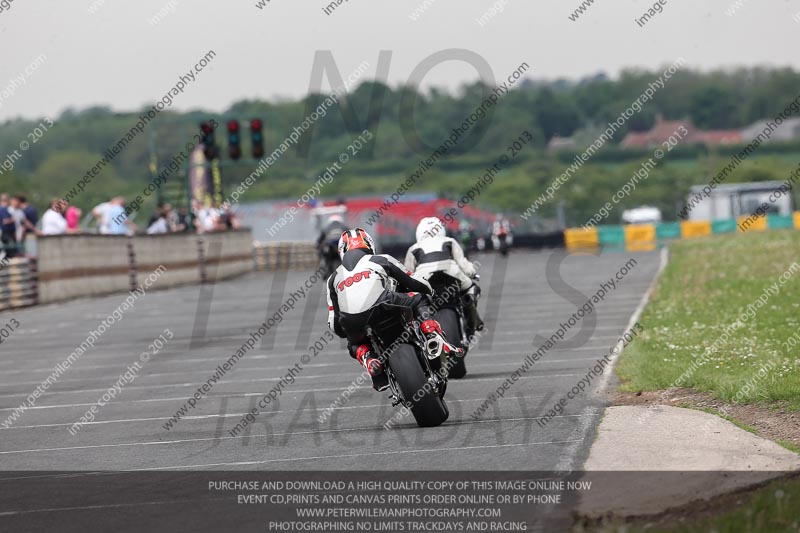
(434, 348)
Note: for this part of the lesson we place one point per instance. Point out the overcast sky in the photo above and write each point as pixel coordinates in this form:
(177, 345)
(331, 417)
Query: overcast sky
(116, 57)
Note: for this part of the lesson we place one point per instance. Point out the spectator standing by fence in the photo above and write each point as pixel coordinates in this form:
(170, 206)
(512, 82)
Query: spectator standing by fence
(8, 227)
(73, 217)
(31, 215)
(185, 222)
(53, 222)
(100, 213)
(19, 218)
(159, 223)
(27, 218)
(206, 218)
(118, 222)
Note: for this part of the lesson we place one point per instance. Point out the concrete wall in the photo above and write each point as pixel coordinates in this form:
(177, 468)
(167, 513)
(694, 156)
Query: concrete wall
(227, 254)
(81, 265)
(72, 266)
(178, 252)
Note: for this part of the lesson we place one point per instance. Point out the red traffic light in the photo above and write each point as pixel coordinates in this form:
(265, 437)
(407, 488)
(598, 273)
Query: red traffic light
(233, 126)
(206, 128)
(257, 138)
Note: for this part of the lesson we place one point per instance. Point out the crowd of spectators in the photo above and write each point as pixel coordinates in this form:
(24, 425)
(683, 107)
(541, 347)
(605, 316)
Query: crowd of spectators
(18, 219)
(112, 219)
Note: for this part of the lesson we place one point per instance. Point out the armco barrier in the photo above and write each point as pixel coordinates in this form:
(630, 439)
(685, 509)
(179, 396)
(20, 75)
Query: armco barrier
(643, 237)
(285, 255)
(18, 283)
(72, 266)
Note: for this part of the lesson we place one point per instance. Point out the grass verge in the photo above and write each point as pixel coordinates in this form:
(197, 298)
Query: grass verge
(724, 319)
(772, 508)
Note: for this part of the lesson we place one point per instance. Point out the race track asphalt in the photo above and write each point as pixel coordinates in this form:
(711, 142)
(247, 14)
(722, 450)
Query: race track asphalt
(519, 301)
(525, 295)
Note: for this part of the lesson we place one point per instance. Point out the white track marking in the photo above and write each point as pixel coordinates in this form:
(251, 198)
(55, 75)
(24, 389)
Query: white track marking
(281, 368)
(602, 383)
(454, 424)
(230, 415)
(107, 506)
(231, 382)
(566, 460)
(342, 456)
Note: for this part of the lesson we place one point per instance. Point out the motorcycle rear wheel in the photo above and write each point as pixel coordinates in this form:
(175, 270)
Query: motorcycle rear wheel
(428, 409)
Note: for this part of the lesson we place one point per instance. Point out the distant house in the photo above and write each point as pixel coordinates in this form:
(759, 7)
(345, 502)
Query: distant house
(661, 131)
(718, 137)
(789, 130)
(561, 143)
(684, 130)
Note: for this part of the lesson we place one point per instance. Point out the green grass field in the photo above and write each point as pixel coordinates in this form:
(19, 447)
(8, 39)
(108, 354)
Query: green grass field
(701, 297)
(773, 508)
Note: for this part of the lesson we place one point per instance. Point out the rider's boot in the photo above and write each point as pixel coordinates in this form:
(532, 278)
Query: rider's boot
(474, 321)
(433, 332)
(380, 381)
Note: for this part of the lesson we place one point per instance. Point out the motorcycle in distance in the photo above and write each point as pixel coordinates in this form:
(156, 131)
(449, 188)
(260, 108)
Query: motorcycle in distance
(329, 257)
(412, 363)
(501, 235)
(449, 305)
(501, 241)
(467, 239)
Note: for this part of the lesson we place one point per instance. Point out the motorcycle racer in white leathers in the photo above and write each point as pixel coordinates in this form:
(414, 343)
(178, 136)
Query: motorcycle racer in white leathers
(435, 252)
(362, 282)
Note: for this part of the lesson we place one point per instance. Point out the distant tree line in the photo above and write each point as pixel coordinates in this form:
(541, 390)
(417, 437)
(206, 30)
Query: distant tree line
(712, 100)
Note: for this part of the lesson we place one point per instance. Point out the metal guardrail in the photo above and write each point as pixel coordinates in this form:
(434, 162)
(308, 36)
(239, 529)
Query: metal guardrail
(285, 255)
(19, 283)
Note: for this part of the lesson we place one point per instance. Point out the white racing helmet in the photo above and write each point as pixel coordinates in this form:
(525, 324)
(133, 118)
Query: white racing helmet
(430, 227)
